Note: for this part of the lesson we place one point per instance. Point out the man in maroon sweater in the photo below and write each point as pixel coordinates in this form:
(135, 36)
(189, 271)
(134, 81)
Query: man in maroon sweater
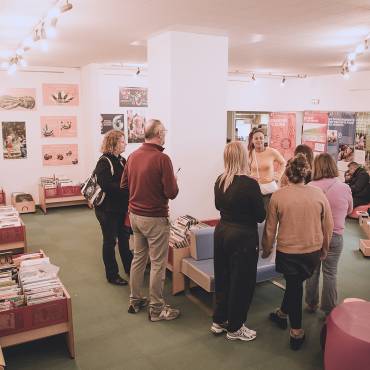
(150, 180)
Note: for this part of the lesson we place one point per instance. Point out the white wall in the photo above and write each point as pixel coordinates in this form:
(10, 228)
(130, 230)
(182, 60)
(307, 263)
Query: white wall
(22, 175)
(99, 94)
(335, 94)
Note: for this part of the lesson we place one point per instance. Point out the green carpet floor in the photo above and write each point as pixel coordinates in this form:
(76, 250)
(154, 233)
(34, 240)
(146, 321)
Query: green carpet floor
(107, 337)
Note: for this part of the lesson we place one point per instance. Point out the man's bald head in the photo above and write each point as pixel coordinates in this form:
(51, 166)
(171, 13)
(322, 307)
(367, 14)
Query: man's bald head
(154, 131)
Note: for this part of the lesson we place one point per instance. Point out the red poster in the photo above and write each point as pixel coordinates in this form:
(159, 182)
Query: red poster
(282, 135)
(315, 127)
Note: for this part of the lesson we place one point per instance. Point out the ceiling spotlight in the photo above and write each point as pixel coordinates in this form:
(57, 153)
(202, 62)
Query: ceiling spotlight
(36, 36)
(282, 83)
(138, 71)
(66, 7)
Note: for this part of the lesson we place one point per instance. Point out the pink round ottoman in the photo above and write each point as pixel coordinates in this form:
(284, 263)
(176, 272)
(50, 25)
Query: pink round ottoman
(348, 337)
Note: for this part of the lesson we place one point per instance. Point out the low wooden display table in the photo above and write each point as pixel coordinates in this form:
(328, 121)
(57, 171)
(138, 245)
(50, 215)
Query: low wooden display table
(13, 239)
(58, 201)
(27, 323)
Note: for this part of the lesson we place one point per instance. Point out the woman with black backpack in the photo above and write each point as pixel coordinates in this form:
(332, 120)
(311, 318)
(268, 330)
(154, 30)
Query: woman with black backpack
(111, 212)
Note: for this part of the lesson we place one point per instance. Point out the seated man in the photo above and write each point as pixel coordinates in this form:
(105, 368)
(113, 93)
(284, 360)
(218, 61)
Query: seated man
(358, 180)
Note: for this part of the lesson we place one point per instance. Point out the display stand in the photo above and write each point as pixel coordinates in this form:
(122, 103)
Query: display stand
(175, 256)
(58, 201)
(28, 323)
(13, 239)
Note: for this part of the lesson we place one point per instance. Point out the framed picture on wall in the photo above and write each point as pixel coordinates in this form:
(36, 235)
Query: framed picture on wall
(133, 97)
(60, 94)
(60, 155)
(14, 140)
(135, 126)
(58, 126)
(112, 122)
(18, 99)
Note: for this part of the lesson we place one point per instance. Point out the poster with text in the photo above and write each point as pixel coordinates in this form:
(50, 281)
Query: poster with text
(14, 140)
(112, 122)
(60, 155)
(58, 126)
(60, 94)
(282, 133)
(362, 145)
(341, 135)
(135, 126)
(18, 99)
(133, 97)
(315, 126)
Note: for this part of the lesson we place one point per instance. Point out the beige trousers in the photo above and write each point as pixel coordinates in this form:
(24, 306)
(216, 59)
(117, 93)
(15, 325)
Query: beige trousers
(150, 239)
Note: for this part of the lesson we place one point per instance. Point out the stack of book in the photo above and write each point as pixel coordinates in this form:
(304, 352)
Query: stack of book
(179, 231)
(49, 182)
(9, 217)
(39, 281)
(10, 293)
(64, 181)
(28, 279)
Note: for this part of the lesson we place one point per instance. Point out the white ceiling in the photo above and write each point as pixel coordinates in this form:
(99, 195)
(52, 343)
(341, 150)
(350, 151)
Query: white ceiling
(278, 36)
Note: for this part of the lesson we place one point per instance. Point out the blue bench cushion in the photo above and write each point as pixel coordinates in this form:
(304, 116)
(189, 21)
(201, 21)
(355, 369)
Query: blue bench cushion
(202, 272)
(201, 243)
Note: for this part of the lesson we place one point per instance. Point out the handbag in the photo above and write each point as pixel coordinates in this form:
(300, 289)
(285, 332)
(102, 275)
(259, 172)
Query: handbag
(269, 187)
(91, 190)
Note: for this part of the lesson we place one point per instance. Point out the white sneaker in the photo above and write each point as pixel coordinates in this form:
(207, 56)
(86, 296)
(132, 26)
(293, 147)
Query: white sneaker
(243, 333)
(218, 328)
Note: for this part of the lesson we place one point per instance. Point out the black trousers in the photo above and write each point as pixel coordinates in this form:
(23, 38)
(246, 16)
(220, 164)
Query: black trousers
(296, 269)
(292, 301)
(235, 263)
(111, 224)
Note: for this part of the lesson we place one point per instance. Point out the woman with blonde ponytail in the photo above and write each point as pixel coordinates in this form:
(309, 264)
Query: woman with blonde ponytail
(239, 200)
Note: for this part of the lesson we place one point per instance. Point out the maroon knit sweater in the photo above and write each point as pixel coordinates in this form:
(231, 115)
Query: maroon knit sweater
(150, 180)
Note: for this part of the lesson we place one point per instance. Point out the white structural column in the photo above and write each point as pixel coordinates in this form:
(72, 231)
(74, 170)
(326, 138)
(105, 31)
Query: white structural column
(187, 91)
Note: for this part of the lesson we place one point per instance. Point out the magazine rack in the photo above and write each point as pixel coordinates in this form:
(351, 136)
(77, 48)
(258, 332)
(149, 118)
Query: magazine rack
(28, 323)
(59, 197)
(13, 239)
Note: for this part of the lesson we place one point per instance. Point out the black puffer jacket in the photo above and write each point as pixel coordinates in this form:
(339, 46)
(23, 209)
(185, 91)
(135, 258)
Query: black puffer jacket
(359, 184)
(116, 199)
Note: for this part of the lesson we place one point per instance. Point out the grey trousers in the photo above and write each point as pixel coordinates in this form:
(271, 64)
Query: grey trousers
(329, 294)
(151, 236)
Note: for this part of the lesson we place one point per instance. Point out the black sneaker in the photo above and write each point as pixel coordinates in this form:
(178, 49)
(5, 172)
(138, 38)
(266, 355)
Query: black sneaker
(118, 281)
(296, 342)
(281, 321)
(138, 305)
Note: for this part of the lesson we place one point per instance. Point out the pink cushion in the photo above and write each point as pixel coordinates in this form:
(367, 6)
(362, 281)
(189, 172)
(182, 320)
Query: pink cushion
(362, 208)
(348, 337)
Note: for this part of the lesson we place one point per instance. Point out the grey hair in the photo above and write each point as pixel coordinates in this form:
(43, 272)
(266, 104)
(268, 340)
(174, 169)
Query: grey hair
(152, 128)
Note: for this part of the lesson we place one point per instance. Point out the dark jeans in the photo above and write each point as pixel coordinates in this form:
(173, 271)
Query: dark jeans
(112, 227)
(235, 263)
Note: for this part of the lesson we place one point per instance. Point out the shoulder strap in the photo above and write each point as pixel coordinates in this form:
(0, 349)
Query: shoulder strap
(110, 163)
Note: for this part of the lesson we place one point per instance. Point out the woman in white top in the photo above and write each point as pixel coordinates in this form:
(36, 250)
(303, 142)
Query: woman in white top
(266, 164)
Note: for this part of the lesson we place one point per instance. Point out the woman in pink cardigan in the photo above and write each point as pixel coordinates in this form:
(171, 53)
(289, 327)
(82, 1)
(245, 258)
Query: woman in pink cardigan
(325, 177)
